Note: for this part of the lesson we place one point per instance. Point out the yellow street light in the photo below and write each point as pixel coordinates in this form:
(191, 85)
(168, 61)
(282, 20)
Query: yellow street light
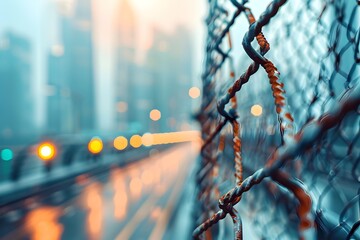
(95, 146)
(46, 151)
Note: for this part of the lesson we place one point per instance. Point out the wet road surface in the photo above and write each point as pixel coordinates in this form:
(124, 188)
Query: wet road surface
(132, 202)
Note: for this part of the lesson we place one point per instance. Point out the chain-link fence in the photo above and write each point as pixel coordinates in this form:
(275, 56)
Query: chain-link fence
(281, 152)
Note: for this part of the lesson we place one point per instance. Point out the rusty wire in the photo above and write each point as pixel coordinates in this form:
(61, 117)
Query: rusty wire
(305, 147)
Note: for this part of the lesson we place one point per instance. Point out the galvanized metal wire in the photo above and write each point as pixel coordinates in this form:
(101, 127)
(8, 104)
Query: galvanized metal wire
(303, 152)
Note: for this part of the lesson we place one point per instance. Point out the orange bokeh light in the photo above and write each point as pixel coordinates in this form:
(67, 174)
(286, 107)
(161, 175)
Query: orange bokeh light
(147, 139)
(120, 143)
(43, 223)
(256, 110)
(175, 137)
(46, 151)
(155, 115)
(194, 92)
(94, 203)
(120, 197)
(135, 141)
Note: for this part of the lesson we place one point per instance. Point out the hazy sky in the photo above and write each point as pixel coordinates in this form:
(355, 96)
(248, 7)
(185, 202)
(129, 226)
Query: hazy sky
(165, 15)
(36, 20)
(27, 18)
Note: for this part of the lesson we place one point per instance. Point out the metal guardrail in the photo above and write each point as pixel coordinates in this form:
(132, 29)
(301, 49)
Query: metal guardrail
(65, 151)
(302, 146)
(26, 160)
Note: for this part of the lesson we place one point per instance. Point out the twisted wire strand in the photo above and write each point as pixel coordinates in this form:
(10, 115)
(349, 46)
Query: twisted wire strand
(285, 118)
(235, 125)
(307, 136)
(320, 63)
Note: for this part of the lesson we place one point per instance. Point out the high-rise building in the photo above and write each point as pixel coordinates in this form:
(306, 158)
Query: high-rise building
(71, 73)
(16, 97)
(59, 103)
(170, 68)
(127, 76)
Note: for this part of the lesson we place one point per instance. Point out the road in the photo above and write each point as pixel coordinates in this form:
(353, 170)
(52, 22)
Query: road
(133, 202)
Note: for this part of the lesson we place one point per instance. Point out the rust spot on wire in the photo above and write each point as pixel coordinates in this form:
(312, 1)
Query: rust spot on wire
(215, 112)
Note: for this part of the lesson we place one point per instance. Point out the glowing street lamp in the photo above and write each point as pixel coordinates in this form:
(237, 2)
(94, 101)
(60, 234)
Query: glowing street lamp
(46, 151)
(95, 146)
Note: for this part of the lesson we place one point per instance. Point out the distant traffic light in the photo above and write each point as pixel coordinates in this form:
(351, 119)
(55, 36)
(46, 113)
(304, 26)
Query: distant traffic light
(7, 154)
(46, 151)
(95, 146)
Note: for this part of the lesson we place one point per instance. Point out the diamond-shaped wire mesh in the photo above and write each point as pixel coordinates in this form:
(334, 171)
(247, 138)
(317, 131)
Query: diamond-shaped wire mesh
(280, 121)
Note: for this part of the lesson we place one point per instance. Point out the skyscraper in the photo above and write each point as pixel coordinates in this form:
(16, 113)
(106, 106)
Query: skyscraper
(72, 73)
(127, 74)
(16, 97)
(59, 103)
(170, 69)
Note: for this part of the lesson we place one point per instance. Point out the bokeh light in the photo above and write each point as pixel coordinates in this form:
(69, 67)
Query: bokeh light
(175, 137)
(120, 143)
(194, 92)
(7, 154)
(95, 145)
(46, 151)
(256, 110)
(57, 50)
(147, 139)
(155, 115)
(135, 141)
(43, 223)
(122, 107)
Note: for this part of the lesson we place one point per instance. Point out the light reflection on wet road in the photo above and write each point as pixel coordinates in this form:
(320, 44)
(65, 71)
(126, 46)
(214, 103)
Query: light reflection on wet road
(133, 202)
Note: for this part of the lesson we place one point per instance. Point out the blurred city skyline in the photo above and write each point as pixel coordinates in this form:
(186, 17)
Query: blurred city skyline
(44, 36)
(114, 37)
